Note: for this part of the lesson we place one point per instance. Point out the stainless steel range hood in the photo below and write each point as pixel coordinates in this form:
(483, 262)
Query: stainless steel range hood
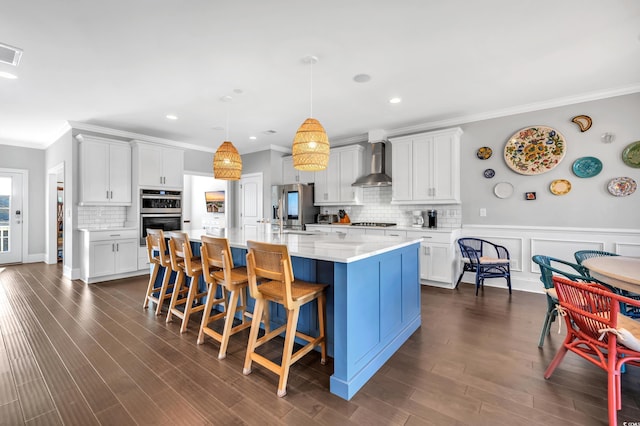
(377, 177)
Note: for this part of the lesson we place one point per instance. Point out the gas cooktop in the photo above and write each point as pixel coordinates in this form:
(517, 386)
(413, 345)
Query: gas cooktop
(380, 224)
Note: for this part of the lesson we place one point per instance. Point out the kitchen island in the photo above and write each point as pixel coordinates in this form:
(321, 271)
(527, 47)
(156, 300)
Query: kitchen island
(373, 295)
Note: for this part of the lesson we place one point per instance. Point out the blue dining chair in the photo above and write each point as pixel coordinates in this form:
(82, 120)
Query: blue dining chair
(548, 267)
(486, 259)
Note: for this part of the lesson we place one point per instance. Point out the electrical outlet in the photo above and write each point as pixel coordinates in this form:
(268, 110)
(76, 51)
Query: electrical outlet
(483, 212)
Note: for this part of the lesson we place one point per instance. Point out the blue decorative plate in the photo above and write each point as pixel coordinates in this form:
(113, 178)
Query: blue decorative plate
(587, 167)
(489, 173)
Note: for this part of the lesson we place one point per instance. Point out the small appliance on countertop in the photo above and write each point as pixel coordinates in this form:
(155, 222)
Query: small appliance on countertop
(433, 218)
(326, 218)
(418, 220)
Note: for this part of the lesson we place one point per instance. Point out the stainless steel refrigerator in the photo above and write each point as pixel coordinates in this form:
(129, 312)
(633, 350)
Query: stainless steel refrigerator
(295, 203)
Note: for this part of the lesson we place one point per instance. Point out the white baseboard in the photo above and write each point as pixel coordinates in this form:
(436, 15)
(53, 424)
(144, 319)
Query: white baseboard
(34, 258)
(72, 274)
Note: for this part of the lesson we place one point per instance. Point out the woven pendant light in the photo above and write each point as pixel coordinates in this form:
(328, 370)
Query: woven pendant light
(310, 147)
(227, 163)
(310, 144)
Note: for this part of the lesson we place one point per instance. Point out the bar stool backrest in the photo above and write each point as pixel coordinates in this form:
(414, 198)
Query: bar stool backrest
(216, 255)
(156, 242)
(180, 251)
(272, 262)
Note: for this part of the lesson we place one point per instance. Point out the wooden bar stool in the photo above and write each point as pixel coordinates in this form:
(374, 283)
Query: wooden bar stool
(156, 243)
(186, 266)
(218, 270)
(272, 263)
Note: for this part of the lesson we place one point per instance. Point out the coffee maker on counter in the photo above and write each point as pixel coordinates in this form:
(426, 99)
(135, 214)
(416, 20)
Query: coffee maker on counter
(432, 216)
(418, 220)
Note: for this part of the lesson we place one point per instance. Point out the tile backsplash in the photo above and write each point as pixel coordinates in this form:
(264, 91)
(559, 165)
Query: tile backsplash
(377, 207)
(101, 217)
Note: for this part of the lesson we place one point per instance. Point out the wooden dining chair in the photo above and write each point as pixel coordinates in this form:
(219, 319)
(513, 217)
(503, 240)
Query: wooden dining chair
(188, 269)
(160, 262)
(272, 263)
(598, 333)
(221, 275)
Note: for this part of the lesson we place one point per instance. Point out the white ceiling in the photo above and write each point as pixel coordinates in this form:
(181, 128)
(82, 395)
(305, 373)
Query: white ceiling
(126, 64)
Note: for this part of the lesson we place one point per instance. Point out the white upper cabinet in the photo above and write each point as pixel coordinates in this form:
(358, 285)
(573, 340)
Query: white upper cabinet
(159, 166)
(426, 168)
(291, 175)
(105, 171)
(333, 185)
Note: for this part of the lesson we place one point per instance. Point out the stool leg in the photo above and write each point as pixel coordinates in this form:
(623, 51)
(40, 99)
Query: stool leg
(150, 288)
(166, 277)
(177, 288)
(191, 295)
(228, 324)
(206, 312)
(321, 324)
(253, 335)
(292, 322)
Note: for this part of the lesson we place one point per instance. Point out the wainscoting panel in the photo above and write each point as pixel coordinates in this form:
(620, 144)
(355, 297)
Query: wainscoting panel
(524, 242)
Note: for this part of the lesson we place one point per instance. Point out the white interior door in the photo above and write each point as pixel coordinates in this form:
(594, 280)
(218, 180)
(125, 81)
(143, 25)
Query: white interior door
(10, 217)
(251, 207)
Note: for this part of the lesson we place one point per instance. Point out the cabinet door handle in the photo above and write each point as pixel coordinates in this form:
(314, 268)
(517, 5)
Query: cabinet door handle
(107, 195)
(427, 250)
(114, 235)
(111, 194)
(117, 246)
(113, 247)
(394, 235)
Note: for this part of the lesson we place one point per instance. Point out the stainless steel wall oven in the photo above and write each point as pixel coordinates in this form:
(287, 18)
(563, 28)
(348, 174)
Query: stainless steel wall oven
(159, 209)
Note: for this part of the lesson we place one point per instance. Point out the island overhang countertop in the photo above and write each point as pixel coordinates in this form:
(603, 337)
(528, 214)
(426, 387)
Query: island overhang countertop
(313, 245)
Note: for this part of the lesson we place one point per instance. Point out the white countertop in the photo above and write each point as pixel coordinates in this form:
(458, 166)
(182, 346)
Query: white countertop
(115, 229)
(398, 228)
(315, 245)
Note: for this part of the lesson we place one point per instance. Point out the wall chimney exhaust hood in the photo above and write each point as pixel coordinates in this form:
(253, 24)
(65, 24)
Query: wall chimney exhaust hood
(377, 177)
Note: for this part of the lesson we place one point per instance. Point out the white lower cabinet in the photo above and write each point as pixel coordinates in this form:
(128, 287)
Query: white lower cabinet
(108, 254)
(437, 257)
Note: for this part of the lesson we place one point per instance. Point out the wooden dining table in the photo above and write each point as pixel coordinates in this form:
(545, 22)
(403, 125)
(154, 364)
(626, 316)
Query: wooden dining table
(618, 271)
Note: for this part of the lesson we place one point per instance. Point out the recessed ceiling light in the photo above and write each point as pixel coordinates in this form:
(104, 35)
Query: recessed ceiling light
(8, 75)
(172, 117)
(361, 78)
(269, 132)
(395, 100)
(253, 138)
(238, 91)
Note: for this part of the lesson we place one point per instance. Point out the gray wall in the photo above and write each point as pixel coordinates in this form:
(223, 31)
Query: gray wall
(198, 161)
(589, 204)
(12, 157)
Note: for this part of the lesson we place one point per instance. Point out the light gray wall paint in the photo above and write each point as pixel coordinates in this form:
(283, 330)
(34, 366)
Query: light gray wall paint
(589, 204)
(62, 151)
(260, 162)
(13, 157)
(198, 161)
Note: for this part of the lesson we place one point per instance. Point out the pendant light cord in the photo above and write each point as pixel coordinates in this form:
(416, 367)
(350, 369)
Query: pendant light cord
(311, 88)
(227, 126)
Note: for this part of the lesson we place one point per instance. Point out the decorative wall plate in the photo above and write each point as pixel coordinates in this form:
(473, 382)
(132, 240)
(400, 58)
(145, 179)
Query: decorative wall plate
(534, 150)
(631, 155)
(503, 190)
(489, 173)
(587, 167)
(583, 121)
(622, 186)
(560, 187)
(484, 152)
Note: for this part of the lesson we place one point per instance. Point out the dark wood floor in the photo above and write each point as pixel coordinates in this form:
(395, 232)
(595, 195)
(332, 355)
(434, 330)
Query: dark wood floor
(75, 354)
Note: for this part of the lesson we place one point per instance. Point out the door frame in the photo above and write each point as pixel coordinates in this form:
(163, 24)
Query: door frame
(25, 212)
(51, 240)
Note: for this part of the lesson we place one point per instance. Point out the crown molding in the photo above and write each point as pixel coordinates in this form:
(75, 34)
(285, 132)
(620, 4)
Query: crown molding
(137, 136)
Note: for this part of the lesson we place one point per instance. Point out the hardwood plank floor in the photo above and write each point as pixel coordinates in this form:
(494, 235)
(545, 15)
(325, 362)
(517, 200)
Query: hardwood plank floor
(77, 354)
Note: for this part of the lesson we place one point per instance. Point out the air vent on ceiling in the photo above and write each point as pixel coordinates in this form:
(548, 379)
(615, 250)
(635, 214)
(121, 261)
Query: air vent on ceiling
(10, 55)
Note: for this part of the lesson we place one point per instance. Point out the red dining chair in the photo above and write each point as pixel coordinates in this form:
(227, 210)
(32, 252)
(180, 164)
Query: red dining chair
(597, 332)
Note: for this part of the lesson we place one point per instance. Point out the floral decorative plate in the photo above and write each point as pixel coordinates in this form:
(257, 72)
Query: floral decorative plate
(587, 167)
(622, 186)
(534, 150)
(631, 155)
(503, 190)
(560, 187)
(484, 152)
(489, 173)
